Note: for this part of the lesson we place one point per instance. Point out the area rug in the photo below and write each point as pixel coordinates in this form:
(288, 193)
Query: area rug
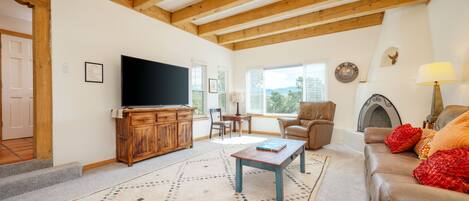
(210, 177)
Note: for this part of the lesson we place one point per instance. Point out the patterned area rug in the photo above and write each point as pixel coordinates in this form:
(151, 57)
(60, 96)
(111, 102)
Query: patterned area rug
(210, 177)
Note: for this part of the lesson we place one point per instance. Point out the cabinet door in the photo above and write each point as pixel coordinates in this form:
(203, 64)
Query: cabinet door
(143, 141)
(184, 133)
(167, 137)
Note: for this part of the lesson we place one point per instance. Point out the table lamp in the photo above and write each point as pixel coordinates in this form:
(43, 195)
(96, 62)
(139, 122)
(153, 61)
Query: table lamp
(434, 74)
(237, 97)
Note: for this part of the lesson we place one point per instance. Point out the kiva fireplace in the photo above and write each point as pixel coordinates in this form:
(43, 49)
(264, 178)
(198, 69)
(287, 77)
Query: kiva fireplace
(378, 111)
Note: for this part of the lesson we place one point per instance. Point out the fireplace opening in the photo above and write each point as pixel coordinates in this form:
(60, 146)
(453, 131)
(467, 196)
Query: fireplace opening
(378, 111)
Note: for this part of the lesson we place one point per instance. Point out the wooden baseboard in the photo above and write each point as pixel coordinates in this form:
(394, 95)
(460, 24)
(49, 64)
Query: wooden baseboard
(263, 132)
(98, 164)
(201, 138)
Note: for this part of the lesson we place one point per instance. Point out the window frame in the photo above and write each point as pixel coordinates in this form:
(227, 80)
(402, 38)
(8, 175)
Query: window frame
(225, 90)
(264, 96)
(204, 67)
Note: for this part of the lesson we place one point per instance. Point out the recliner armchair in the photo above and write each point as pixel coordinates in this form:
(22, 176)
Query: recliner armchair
(314, 124)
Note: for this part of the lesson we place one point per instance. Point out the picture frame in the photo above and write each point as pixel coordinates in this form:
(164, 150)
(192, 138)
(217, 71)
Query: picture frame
(94, 72)
(212, 85)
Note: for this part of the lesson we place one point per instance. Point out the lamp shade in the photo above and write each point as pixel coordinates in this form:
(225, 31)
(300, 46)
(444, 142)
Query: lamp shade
(443, 72)
(237, 97)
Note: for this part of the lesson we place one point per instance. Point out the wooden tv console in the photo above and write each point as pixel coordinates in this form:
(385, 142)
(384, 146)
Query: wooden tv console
(143, 133)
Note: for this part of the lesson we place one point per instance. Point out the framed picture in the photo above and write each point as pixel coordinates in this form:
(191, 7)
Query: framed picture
(212, 85)
(94, 72)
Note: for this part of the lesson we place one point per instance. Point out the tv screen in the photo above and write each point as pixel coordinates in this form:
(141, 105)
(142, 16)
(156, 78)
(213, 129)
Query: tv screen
(149, 83)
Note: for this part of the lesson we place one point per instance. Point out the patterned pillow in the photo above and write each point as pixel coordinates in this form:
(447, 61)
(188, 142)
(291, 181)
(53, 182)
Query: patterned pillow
(448, 169)
(403, 138)
(423, 146)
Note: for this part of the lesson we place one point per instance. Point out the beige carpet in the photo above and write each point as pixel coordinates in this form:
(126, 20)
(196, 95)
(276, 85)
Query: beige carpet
(210, 177)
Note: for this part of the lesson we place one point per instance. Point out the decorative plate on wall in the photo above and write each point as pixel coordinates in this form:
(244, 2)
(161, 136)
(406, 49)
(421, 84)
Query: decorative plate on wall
(346, 72)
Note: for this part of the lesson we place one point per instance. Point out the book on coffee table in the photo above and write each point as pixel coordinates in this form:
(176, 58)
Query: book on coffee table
(274, 146)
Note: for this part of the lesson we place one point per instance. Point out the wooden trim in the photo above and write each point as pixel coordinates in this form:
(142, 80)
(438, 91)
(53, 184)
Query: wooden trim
(98, 164)
(42, 77)
(144, 4)
(334, 14)
(345, 25)
(203, 9)
(270, 10)
(17, 34)
(203, 118)
(202, 138)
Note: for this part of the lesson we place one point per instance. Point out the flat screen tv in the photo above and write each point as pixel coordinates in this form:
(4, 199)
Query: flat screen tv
(150, 83)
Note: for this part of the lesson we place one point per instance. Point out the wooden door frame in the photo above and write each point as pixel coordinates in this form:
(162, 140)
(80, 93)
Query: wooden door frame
(42, 77)
(15, 34)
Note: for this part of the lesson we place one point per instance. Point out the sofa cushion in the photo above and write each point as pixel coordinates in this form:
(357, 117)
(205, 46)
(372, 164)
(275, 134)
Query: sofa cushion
(454, 135)
(403, 138)
(296, 130)
(402, 164)
(448, 114)
(391, 187)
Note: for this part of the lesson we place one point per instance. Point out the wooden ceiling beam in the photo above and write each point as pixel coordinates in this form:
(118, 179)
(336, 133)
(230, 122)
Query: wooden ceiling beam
(347, 11)
(144, 4)
(270, 10)
(334, 27)
(203, 9)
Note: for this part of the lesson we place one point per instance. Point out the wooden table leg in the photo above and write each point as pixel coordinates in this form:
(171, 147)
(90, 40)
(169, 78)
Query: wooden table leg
(302, 161)
(249, 122)
(234, 126)
(279, 183)
(239, 176)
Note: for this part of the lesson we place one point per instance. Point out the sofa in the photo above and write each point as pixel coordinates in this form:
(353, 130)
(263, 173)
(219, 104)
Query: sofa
(314, 124)
(389, 176)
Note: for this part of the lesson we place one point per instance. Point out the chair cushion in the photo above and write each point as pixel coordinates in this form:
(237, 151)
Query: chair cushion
(403, 138)
(448, 169)
(317, 110)
(299, 131)
(454, 135)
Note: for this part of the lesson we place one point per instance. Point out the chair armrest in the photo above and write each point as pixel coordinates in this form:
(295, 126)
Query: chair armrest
(285, 122)
(319, 122)
(376, 135)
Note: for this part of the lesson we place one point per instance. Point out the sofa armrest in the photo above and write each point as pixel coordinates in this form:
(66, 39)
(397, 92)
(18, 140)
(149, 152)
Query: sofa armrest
(285, 122)
(376, 135)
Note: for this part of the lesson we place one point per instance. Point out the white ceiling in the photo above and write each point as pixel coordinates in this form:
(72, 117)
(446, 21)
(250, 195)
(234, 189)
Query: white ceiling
(13, 9)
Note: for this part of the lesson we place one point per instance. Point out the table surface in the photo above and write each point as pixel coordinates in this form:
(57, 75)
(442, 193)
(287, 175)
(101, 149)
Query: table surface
(235, 116)
(269, 157)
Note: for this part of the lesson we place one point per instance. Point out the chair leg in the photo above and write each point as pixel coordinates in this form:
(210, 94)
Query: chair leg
(230, 131)
(210, 136)
(223, 133)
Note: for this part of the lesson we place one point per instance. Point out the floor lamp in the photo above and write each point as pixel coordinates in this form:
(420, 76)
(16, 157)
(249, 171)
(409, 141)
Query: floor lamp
(434, 74)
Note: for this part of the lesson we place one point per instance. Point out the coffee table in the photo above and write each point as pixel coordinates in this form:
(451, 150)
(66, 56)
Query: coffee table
(272, 161)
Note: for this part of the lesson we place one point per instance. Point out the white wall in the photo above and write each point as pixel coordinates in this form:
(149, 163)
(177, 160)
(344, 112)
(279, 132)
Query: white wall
(100, 31)
(450, 37)
(15, 24)
(356, 46)
(406, 28)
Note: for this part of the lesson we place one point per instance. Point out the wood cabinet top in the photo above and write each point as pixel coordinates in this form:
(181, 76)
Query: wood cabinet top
(156, 109)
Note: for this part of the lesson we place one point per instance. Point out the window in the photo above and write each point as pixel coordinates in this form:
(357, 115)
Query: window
(280, 90)
(222, 89)
(198, 75)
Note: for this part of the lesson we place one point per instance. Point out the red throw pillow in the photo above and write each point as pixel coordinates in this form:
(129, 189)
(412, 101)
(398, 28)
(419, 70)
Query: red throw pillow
(403, 138)
(448, 169)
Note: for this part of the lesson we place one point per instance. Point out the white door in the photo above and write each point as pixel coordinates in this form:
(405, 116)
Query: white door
(17, 87)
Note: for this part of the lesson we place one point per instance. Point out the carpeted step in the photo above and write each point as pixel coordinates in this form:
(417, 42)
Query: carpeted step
(26, 182)
(23, 167)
